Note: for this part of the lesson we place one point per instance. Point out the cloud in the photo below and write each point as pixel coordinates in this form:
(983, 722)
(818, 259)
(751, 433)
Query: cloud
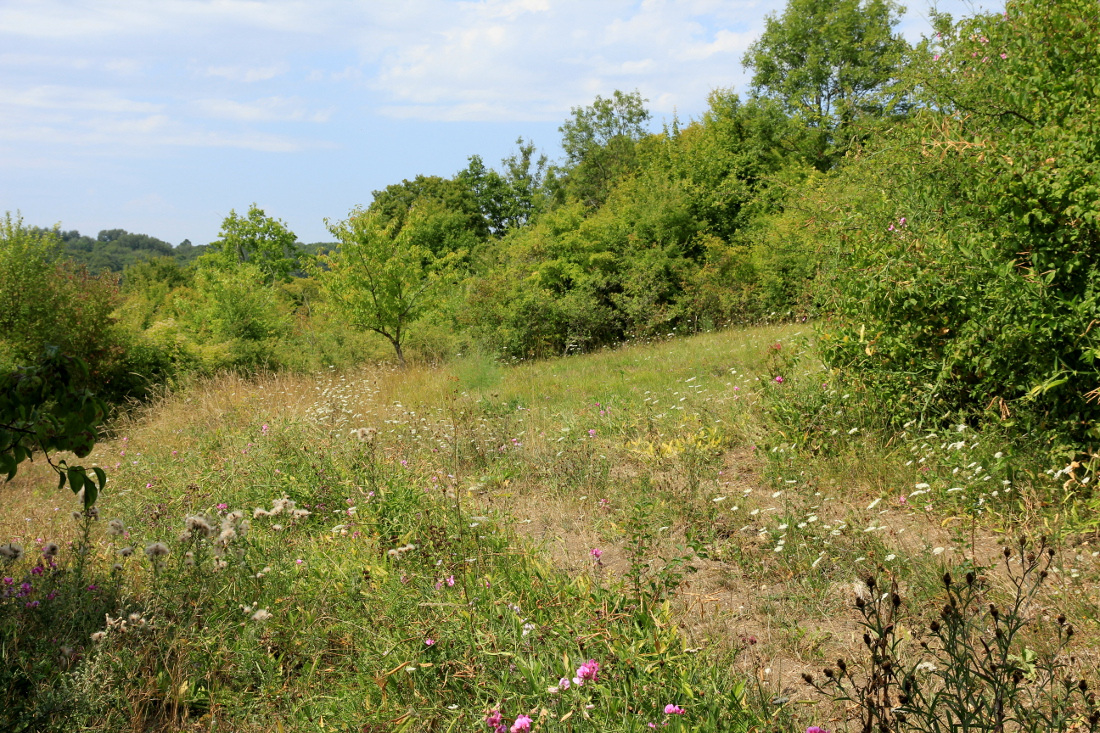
(247, 74)
(271, 109)
(500, 60)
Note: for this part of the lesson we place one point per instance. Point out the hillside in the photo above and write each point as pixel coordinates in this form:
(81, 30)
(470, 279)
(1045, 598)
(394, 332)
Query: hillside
(429, 546)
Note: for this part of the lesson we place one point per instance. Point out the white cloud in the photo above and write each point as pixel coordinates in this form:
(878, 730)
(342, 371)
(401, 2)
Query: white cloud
(271, 109)
(247, 74)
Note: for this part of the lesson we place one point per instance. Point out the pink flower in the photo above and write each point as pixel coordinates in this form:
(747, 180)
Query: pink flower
(263, 429)
(450, 580)
(596, 553)
(429, 642)
(1004, 55)
(563, 683)
(815, 729)
(587, 672)
(779, 380)
(523, 723)
(592, 433)
(671, 709)
(936, 57)
(495, 721)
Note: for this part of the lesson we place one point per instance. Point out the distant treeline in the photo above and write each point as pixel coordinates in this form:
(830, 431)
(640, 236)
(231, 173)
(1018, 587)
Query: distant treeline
(113, 250)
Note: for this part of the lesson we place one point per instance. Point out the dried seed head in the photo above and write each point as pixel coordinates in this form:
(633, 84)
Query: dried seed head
(1007, 553)
(809, 678)
(1061, 619)
(1050, 552)
(841, 665)
(935, 626)
(895, 599)
(828, 672)
(947, 580)
(870, 583)
(970, 578)
(1082, 685)
(994, 612)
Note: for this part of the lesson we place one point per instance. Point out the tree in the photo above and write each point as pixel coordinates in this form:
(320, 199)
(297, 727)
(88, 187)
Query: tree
(831, 61)
(257, 239)
(383, 277)
(394, 203)
(507, 200)
(599, 143)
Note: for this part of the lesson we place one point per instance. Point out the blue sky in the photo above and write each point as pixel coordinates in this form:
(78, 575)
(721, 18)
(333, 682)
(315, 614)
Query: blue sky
(159, 116)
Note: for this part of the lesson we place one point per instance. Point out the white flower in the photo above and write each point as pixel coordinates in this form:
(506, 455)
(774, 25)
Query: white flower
(262, 615)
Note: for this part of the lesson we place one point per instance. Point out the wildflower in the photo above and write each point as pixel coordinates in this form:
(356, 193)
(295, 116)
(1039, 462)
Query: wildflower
(671, 709)
(50, 550)
(779, 380)
(262, 615)
(126, 551)
(99, 636)
(429, 642)
(816, 729)
(365, 435)
(587, 672)
(596, 553)
(522, 724)
(563, 683)
(156, 550)
(450, 580)
(495, 721)
(592, 433)
(11, 551)
(115, 528)
(926, 667)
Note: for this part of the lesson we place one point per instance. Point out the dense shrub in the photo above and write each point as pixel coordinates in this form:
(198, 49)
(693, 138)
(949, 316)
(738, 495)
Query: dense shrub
(966, 240)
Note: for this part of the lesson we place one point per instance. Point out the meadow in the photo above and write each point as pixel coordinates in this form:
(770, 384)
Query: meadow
(700, 533)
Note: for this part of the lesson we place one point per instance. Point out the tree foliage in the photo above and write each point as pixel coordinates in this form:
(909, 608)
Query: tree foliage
(385, 276)
(599, 143)
(257, 239)
(967, 283)
(830, 61)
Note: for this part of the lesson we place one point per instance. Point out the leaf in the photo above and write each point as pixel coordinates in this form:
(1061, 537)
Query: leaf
(91, 493)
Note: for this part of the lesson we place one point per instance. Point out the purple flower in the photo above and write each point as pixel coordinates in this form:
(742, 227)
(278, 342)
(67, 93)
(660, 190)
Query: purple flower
(815, 729)
(592, 433)
(429, 642)
(596, 553)
(587, 672)
(671, 709)
(522, 724)
(450, 580)
(494, 720)
(779, 380)
(563, 683)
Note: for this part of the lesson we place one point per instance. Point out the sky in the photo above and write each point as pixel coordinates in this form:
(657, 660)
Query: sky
(160, 116)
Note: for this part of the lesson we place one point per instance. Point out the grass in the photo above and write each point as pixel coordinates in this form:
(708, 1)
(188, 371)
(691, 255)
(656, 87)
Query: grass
(736, 515)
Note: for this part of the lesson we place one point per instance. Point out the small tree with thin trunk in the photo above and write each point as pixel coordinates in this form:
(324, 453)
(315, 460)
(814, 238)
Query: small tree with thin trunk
(384, 279)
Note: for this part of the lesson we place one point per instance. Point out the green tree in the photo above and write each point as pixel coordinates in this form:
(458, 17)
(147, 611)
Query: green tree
(394, 203)
(384, 278)
(599, 143)
(508, 200)
(830, 61)
(257, 239)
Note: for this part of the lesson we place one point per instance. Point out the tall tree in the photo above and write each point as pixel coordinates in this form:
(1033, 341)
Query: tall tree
(599, 142)
(256, 238)
(830, 61)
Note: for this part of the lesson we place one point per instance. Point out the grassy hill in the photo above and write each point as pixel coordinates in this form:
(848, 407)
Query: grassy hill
(419, 550)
